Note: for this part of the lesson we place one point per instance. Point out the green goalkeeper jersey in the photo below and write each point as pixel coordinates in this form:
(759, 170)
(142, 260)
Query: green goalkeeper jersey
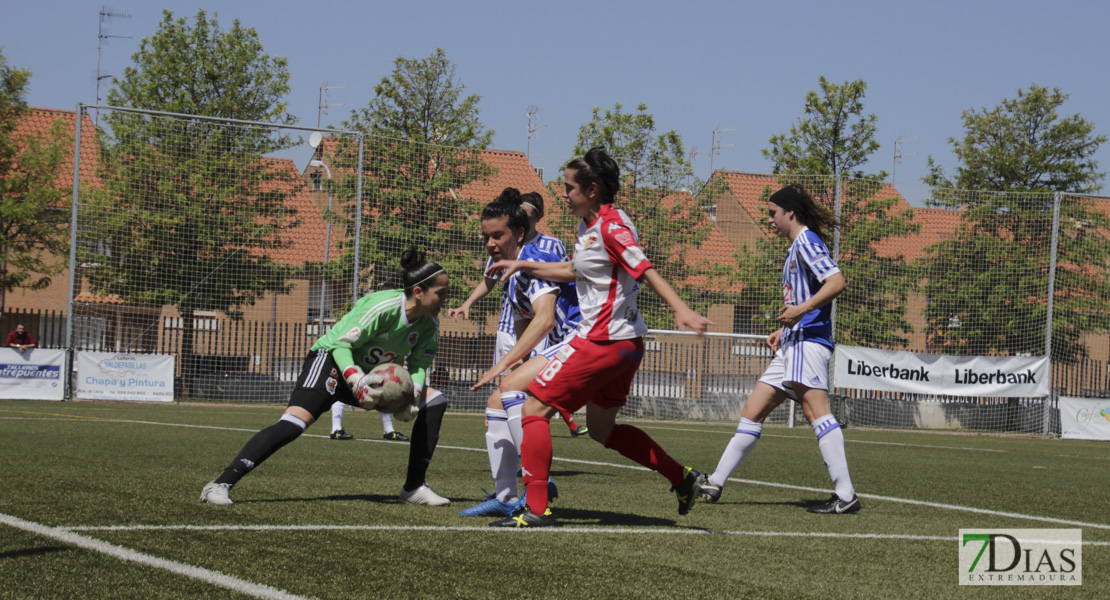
(377, 331)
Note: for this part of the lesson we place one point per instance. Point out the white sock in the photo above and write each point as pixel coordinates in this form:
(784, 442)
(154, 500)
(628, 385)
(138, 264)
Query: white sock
(514, 405)
(387, 422)
(747, 434)
(502, 454)
(337, 416)
(830, 439)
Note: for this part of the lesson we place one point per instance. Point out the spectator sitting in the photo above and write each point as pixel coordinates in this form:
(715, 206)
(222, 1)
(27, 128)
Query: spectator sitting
(20, 339)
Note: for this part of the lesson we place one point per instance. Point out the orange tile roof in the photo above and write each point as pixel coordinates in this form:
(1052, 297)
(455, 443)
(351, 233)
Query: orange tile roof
(306, 240)
(38, 122)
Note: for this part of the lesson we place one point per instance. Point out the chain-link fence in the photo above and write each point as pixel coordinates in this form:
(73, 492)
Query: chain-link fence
(234, 245)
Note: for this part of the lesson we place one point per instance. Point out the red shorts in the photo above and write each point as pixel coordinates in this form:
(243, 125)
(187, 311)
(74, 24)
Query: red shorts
(587, 371)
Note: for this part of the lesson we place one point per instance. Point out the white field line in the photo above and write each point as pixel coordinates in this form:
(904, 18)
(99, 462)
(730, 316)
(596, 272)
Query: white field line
(846, 440)
(982, 511)
(255, 590)
(578, 530)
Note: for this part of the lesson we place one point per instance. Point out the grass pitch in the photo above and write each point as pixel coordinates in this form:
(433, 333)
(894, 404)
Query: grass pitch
(100, 500)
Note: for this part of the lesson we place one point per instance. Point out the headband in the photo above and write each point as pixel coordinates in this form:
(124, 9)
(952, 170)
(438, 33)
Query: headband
(413, 286)
(789, 198)
(534, 207)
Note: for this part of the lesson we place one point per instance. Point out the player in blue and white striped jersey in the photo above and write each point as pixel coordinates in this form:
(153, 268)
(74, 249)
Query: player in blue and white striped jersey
(803, 347)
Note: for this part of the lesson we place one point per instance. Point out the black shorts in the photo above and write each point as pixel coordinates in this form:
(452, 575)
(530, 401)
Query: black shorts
(320, 385)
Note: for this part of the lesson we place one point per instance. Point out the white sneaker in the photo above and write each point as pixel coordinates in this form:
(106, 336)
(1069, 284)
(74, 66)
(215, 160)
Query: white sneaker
(423, 495)
(216, 493)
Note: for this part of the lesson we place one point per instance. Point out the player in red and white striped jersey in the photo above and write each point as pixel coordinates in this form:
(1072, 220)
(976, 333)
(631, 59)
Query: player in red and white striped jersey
(595, 369)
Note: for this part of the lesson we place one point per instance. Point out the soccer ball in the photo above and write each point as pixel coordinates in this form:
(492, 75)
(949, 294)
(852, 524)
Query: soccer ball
(396, 387)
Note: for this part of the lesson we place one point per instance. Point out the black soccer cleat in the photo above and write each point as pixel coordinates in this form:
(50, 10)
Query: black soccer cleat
(836, 506)
(396, 436)
(524, 518)
(688, 490)
(339, 434)
(580, 431)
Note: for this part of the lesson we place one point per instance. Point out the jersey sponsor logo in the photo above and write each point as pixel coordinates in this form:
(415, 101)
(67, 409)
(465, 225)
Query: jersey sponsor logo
(633, 256)
(429, 354)
(377, 355)
(624, 236)
(630, 314)
(331, 385)
(352, 336)
(413, 337)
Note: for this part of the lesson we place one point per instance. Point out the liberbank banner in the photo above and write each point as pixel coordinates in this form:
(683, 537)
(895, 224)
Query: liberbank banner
(112, 376)
(872, 369)
(35, 374)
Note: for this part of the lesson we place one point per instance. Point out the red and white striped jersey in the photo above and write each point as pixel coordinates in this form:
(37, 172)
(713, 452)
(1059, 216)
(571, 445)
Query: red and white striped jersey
(607, 263)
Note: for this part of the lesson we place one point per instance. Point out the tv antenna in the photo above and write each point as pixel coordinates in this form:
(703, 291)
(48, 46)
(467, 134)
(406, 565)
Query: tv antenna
(715, 149)
(322, 109)
(101, 35)
(898, 141)
(533, 129)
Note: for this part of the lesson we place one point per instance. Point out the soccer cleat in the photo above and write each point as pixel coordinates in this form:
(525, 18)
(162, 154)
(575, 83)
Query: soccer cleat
(709, 492)
(216, 493)
(423, 496)
(579, 431)
(836, 506)
(339, 434)
(525, 518)
(688, 490)
(491, 507)
(396, 436)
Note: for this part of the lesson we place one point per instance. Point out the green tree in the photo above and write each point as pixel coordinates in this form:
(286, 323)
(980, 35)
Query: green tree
(988, 285)
(33, 225)
(670, 220)
(422, 145)
(192, 209)
(836, 138)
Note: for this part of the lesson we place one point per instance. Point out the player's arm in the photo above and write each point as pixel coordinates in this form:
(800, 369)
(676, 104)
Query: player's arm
(684, 316)
(833, 286)
(556, 272)
(480, 291)
(537, 330)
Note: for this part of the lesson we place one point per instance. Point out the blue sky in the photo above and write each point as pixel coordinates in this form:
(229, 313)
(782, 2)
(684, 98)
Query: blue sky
(734, 64)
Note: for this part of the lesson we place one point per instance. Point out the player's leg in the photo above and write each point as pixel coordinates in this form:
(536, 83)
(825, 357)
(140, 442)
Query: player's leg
(763, 399)
(308, 401)
(425, 437)
(501, 448)
(808, 362)
(337, 432)
(389, 432)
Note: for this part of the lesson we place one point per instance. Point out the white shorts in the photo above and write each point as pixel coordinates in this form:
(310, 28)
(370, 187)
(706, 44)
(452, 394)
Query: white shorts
(806, 363)
(505, 342)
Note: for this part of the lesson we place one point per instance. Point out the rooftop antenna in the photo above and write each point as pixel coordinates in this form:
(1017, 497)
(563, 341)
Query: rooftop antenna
(693, 157)
(322, 109)
(715, 149)
(101, 35)
(898, 141)
(533, 129)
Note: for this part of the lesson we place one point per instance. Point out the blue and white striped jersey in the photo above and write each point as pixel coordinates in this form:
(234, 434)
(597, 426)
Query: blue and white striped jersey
(807, 266)
(552, 245)
(523, 289)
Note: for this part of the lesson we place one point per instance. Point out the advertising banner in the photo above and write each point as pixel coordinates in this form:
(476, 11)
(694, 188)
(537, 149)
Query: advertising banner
(1085, 418)
(892, 371)
(112, 376)
(34, 374)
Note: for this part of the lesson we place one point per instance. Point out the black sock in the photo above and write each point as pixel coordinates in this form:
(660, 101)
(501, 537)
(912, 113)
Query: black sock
(259, 448)
(425, 436)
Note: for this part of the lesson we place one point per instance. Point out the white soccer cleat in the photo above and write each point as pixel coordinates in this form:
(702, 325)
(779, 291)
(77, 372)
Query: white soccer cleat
(216, 493)
(424, 496)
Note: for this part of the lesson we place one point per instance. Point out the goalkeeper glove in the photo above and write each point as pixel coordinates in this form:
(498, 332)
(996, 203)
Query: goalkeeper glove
(361, 384)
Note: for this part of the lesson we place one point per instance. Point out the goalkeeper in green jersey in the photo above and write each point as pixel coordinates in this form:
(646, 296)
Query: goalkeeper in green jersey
(391, 326)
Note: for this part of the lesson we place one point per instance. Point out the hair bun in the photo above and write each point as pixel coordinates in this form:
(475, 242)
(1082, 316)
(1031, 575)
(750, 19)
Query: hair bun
(510, 195)
(411, 258)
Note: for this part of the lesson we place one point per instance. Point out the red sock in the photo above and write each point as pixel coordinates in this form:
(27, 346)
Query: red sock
(535, 459)
(569, 419)
(639, 446)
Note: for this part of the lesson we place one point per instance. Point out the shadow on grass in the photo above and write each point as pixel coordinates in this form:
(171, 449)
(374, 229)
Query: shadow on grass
(33, 552)
(573, 517)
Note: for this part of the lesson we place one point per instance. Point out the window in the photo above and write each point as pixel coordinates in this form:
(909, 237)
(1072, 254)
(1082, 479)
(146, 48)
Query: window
(317, 181)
